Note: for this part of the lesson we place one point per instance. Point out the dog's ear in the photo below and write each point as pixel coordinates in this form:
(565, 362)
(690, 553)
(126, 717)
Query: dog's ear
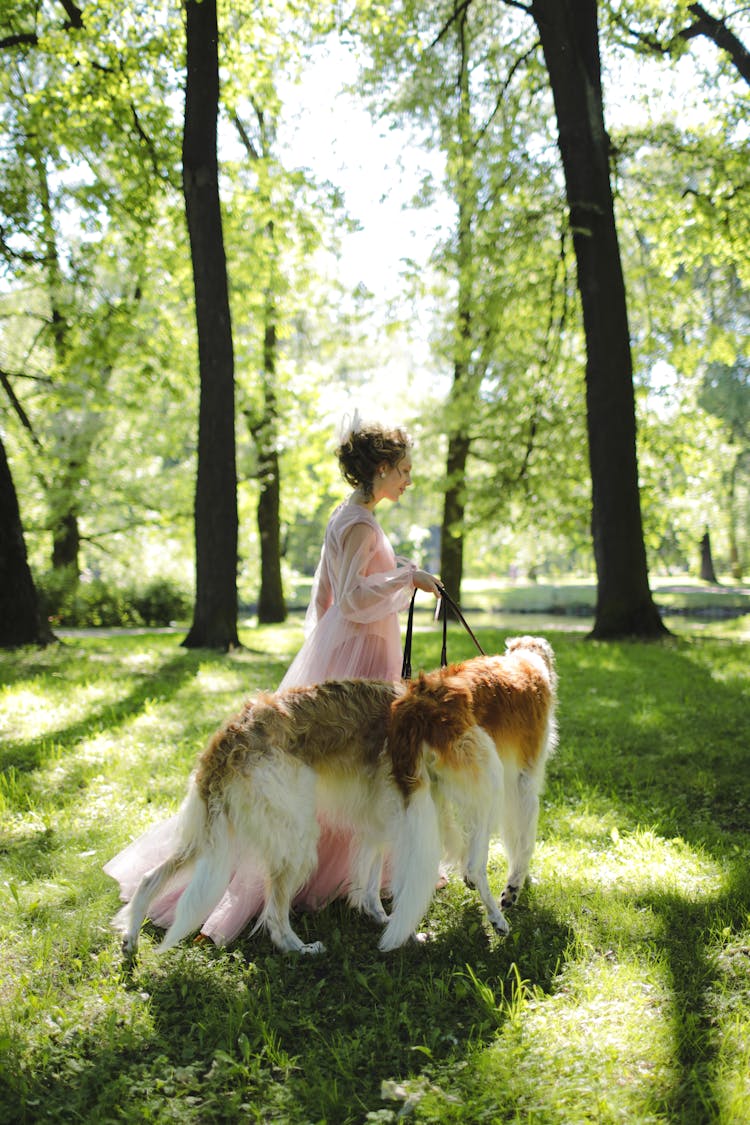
(436, 711)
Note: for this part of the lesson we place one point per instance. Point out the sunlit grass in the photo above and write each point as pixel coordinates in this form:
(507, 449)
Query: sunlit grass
(622, 993)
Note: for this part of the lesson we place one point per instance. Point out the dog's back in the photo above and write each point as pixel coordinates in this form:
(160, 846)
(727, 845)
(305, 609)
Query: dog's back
(511, 696)
(335, 728)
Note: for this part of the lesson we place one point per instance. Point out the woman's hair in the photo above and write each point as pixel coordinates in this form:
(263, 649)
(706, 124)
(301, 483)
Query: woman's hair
(367, 447)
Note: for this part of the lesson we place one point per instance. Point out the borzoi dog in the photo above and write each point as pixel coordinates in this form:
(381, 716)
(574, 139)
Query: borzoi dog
(413, 771)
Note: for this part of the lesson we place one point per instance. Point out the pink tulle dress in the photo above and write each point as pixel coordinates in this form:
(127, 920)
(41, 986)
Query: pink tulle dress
(351, 630)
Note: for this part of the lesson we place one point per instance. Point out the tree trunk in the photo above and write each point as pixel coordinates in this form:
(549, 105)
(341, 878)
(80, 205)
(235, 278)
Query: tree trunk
(452, 528)
(66, 542)
(21, 622)
(735, 561)
(569, 36)
(216, 524)
(271, 604)
(708, 573)
(464, 389)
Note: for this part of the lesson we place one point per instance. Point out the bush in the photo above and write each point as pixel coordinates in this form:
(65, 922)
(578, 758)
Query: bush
(161, 602)
(94, 604)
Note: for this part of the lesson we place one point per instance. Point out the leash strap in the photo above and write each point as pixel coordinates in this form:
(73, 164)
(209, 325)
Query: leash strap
(446, 598)
(406, 666)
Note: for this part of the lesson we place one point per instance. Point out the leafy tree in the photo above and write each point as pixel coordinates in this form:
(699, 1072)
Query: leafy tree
(499, 281)
(681, 173)
(74, 200)
(216, 522)
(725, 394)
(569, 38)
(668, 29)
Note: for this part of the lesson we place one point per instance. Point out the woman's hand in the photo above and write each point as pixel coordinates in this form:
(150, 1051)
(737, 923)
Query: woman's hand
(423, 580)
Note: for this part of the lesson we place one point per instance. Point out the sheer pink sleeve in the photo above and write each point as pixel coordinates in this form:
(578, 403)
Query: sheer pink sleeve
(367, 592)
(321, 595)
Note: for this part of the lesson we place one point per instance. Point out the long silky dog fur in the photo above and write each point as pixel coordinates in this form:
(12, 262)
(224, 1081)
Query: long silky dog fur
(417, 771)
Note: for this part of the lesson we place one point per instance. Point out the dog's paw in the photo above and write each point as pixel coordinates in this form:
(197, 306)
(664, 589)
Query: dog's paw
(313, 947)
(129, 946)
(500, 925)
(509, 897)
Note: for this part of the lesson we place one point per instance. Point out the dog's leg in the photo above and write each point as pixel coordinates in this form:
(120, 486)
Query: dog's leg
(476, 876)
(519, 833)
(484, 820)
(276, 914)
(129, 920)
(416, 863)
(367, 877)
(213, 872)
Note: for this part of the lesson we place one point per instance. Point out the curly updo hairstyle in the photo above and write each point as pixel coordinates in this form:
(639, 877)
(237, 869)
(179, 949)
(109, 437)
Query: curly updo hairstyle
(368, 447)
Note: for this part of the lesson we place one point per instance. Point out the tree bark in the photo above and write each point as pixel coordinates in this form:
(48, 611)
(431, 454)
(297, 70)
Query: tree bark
(216, 522)
(464, 388)
(717, 31)
(708, 573)
(569, 36)
(21, 622)
(271, 604)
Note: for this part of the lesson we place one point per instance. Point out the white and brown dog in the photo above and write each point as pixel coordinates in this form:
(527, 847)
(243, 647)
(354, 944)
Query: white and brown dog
(416, 772)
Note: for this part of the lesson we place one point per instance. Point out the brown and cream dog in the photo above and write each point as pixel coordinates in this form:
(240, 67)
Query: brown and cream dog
(416, 772)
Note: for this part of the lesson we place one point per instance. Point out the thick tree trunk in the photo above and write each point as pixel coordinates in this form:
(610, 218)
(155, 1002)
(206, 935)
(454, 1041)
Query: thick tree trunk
(21, 622)
(216, 525)
(708, 572)
(452, 528)
(271, 604)
(465, 384)
(569, 36)
(66, 542)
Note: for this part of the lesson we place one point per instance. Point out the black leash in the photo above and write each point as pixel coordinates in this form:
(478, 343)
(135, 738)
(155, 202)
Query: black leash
(448, 600)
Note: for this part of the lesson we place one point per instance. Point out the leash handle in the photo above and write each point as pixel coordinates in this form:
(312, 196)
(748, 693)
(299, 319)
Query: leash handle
(446, 599)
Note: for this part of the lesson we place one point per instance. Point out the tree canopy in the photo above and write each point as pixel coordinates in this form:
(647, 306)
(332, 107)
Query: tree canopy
(99, 380)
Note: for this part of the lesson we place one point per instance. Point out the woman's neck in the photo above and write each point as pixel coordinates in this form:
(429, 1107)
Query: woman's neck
(358, 497)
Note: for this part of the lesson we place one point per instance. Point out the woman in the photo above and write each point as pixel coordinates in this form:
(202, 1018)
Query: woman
(352, 630)
(360, 585)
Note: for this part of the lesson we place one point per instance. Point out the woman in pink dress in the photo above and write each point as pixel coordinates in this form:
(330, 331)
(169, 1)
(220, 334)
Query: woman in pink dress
(352, 627)
(352, 630)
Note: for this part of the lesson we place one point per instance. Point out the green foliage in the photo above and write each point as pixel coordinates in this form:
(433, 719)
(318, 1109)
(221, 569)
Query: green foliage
(620, 994)
(95, 603)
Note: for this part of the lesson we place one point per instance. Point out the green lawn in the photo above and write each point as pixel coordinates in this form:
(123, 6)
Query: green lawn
(621, 995)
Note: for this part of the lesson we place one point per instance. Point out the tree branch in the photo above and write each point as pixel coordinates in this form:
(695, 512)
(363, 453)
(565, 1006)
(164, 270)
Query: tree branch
(706, 25)
(245, 137)
(73, 12)
(458, 11)
(74, 22)
(18, 408)
(717, 31)
(505, 86)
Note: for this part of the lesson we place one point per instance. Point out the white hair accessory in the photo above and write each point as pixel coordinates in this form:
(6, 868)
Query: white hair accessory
(350, 425)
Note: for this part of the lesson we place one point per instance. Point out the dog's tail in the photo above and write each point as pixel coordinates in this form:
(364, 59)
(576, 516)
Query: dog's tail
(209, 838)
(416, 861)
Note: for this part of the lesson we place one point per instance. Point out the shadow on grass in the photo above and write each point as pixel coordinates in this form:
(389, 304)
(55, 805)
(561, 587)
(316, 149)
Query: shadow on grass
(672, 725)
(249, 1034)
(252, 1034)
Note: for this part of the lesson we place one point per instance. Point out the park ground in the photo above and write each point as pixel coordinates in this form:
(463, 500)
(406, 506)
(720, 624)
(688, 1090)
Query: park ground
(622, 993)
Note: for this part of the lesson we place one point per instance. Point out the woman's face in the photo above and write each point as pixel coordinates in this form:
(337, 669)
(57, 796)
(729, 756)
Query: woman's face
(396, 480)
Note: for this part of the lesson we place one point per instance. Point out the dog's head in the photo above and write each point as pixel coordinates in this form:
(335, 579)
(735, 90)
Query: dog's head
(535, 646)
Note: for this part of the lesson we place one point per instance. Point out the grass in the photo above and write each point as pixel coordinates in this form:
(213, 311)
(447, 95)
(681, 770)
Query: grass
(621, 995)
